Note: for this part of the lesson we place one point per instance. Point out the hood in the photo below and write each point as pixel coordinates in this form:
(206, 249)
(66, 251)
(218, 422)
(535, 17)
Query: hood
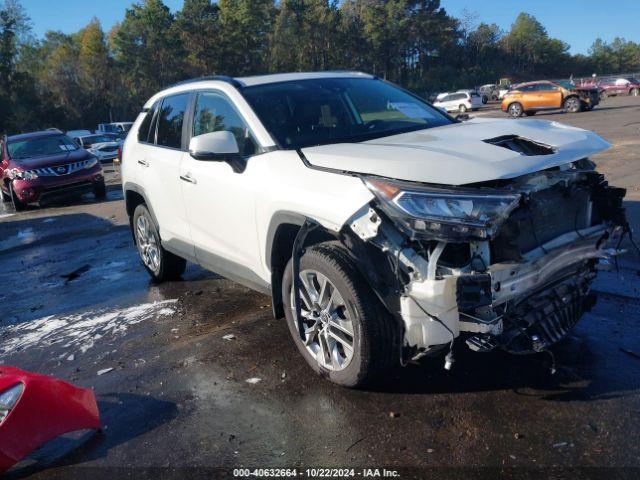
(51, 160)
(459, 154)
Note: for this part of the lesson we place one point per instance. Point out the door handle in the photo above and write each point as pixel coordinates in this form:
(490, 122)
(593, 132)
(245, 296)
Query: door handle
(188, 178)
(144, 163)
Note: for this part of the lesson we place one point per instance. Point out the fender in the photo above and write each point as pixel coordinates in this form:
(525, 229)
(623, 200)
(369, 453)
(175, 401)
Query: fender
(134, 187)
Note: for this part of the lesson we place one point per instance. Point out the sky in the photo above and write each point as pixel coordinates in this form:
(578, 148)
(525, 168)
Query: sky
(577, 22)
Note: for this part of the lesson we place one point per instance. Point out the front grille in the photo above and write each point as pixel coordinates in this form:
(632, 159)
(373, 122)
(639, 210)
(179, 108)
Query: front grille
(60, 170)
(547, 317)
(546, 215)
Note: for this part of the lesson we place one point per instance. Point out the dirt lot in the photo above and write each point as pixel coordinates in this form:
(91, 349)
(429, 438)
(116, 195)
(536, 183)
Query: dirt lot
(177, 398)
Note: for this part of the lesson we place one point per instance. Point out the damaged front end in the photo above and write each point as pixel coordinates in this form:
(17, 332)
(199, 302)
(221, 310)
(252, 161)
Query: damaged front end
(503, 264)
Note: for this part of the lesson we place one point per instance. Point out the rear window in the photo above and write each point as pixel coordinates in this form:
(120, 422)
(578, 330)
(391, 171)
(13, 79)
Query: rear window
(145, 132)
(171, 120)
(40, 146)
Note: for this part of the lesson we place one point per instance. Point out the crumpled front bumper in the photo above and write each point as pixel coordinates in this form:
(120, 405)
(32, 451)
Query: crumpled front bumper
(46, 409)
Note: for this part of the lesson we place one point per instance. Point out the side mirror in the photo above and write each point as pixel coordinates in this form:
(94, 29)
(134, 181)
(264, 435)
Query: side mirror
(220, 146)
(463, 117)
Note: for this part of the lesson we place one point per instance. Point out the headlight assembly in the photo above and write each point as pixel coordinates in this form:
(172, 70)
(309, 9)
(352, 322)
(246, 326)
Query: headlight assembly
(443, 213)
(92, 162)
(23, 174)
(8, 399)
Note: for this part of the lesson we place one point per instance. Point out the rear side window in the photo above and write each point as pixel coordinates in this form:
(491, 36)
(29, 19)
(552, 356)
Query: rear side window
(145, 132)
(171, 119)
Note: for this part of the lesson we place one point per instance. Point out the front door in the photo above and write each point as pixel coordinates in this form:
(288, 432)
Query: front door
(220, 203)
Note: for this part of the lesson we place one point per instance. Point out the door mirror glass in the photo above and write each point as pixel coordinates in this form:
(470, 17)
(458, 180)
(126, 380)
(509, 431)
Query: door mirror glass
(220, 146)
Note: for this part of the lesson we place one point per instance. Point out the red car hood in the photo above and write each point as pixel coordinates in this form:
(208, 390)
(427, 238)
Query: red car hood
(50, 160)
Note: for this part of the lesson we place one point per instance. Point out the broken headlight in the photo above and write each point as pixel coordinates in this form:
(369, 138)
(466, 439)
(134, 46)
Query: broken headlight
(22, 174)
(8, 400)
(443, 213)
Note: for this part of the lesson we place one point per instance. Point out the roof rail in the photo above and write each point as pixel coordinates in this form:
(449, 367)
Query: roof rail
(219, 78)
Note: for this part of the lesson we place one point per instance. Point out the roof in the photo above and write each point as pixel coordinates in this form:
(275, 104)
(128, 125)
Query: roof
(30, 135)
(288, 77)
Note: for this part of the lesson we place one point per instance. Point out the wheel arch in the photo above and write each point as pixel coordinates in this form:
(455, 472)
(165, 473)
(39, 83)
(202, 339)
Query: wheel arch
(283, 229)
(135, 195)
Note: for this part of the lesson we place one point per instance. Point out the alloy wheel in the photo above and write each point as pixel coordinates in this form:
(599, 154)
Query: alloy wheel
(325, 326)
(147, 244)
(515, 110)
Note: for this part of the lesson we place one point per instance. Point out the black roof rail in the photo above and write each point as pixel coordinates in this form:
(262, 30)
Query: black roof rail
(219, 78)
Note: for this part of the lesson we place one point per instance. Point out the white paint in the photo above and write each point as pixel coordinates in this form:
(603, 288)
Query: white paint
(77, 331)
(457, 154)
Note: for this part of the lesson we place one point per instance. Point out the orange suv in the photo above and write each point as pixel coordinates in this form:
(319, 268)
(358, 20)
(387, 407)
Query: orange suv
(529, 98)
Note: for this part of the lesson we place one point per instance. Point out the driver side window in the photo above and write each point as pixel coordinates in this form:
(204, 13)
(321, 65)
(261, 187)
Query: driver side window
(214, 113)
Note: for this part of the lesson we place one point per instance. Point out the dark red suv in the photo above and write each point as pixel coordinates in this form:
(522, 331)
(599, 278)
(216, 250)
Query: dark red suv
(41, 165)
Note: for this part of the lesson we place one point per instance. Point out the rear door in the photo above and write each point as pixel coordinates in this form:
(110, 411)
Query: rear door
(158, 164)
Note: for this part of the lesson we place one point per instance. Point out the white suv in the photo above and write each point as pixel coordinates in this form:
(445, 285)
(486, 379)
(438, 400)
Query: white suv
(460, 101)
(382, 228)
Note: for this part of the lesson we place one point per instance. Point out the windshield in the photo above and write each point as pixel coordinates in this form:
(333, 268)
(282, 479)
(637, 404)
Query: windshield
(40, 146)
(314, 112)
(566, 85)
(96, 139)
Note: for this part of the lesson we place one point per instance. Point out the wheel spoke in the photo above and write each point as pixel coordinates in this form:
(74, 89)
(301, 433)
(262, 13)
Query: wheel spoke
(325, 288)
(346, 344)
(321, 356)
(311, 291)
(342, 325)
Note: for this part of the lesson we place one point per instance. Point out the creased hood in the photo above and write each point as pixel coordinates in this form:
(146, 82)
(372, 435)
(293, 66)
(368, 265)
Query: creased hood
(458, 154)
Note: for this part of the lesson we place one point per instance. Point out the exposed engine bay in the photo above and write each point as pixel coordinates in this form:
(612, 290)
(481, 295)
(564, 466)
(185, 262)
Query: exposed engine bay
(502, 264)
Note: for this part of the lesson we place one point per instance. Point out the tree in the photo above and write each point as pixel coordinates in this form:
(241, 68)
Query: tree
(149, 55)
(245, 26)
(305, 36)
(94, 73)
(198, 27)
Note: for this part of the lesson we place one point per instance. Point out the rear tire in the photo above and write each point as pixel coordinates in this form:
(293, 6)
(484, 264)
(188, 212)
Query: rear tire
(462, 108)
(158, 262)
(634, 92)
(572, 105)
(604, 95)
(347, 301)
(515, 110)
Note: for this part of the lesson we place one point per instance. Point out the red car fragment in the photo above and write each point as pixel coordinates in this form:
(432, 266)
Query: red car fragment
(42, 410)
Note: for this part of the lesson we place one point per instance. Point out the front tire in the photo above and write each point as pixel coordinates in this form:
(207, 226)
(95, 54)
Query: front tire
(572, 105)
(515, 110)
(6, 198)
(159, 263)
(344, 333)
(462, 108)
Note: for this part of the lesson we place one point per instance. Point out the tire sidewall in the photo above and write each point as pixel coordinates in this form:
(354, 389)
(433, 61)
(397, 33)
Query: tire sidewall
(511, 110)
(141, 210)
(351, 375)
(572, 101)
